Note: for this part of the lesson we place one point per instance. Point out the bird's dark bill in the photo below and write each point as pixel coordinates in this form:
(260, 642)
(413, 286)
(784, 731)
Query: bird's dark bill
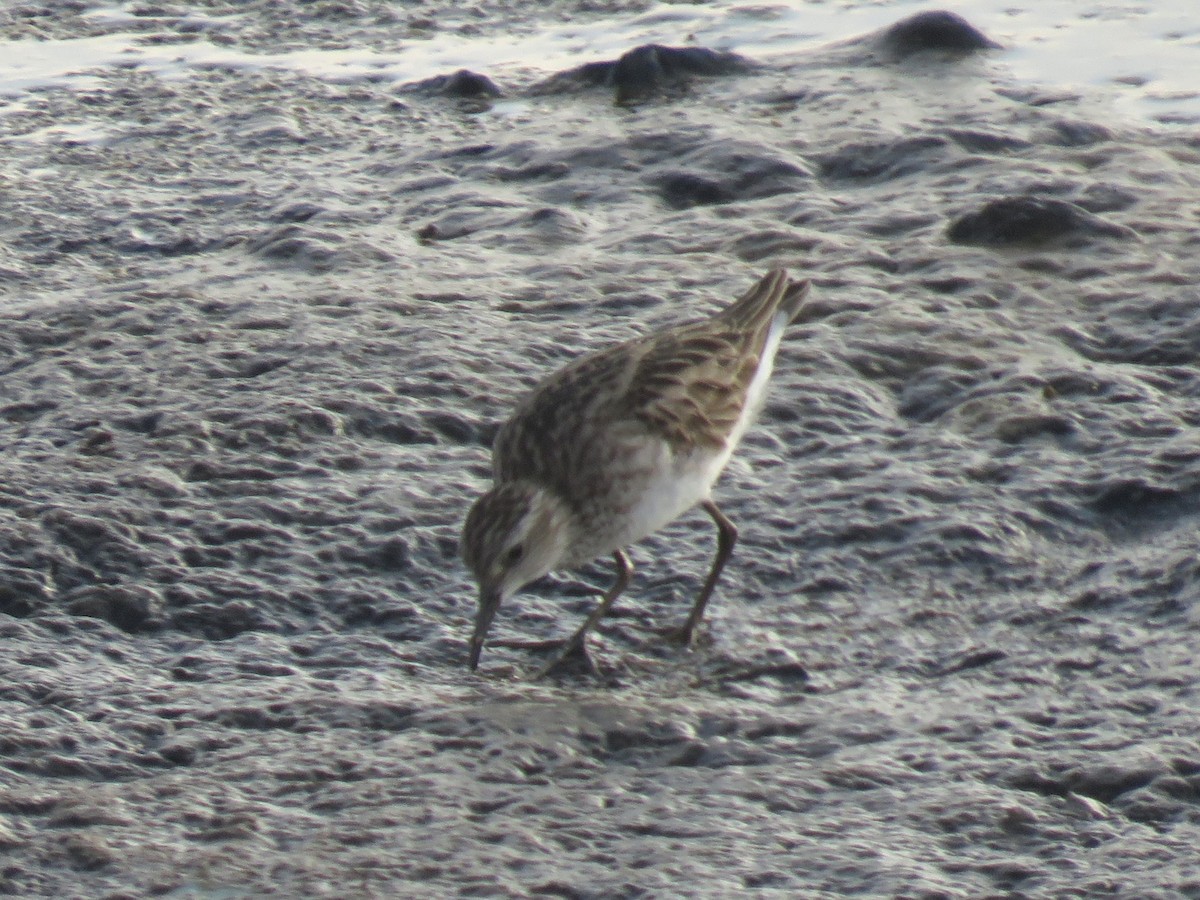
(488, 604)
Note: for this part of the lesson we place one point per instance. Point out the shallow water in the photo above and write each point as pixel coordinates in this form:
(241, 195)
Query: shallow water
(260, 322)
(1142, 55)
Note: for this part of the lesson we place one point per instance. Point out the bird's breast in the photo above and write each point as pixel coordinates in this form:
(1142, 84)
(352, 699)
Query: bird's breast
(645, 487)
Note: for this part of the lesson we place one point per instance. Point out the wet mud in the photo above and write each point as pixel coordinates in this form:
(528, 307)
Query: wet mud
(258, 328)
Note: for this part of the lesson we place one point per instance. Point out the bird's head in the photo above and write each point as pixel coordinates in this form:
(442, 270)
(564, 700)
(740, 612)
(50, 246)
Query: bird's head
(514, 534)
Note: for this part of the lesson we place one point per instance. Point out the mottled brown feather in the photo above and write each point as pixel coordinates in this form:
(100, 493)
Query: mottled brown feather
(686, 385)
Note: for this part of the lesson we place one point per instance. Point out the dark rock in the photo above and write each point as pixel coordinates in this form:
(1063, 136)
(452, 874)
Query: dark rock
(467, 84)
(22, 593)
(178, 754)
(1030, 220)
(463, 84)
(646, 71)
(1134, 497)
(685, 189)
(938, 30)
(651, 68)
(129, 607)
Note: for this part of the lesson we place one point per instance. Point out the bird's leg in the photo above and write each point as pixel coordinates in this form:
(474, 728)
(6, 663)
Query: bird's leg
(575, 645)
(727, 535)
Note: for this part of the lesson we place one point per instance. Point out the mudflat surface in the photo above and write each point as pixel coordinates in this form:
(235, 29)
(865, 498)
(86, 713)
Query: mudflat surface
(257, 327)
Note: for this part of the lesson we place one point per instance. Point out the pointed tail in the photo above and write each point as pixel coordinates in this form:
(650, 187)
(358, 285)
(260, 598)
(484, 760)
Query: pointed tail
(774, 292)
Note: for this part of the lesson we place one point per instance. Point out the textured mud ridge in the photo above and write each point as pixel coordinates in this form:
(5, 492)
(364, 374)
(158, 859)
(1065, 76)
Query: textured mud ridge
(259, 328)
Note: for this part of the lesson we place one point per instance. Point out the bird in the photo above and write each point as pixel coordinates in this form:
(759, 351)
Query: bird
(617, 444)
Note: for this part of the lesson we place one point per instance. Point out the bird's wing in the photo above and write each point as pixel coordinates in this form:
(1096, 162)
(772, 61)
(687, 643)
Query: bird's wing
(689, 387)
(543, 438)
(686, 385)
(692, 382)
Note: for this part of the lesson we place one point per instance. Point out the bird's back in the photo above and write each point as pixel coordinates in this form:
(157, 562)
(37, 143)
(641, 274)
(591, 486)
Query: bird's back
(693, 383)
(686, 387)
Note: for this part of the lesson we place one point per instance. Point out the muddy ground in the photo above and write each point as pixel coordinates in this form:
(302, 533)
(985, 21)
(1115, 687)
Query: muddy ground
(258, 326)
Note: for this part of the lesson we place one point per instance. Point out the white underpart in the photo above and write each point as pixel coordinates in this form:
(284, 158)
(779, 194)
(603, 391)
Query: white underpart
(757, 394)
(685, 481)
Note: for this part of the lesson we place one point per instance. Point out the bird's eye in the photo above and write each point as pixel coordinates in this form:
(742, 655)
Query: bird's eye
(513, 556)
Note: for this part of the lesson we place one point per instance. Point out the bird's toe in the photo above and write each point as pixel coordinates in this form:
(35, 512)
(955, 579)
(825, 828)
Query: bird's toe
(572, 658)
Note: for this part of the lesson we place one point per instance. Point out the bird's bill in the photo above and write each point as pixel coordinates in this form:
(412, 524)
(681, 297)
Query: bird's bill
(489, 602)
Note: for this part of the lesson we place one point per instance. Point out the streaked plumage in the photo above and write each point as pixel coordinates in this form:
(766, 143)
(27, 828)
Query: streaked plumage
(615, 445)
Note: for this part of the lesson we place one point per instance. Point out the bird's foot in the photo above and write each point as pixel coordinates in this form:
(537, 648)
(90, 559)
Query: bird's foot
(536, 646)
(687, 636)
(572, 657)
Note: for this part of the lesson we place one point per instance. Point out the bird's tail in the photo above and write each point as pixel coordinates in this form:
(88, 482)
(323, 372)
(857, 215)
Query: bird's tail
(774, 293)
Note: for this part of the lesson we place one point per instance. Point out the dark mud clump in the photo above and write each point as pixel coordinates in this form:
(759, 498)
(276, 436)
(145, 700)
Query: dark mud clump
(648, 71)
(1031, 220)
(463, 84)
(937, 31)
